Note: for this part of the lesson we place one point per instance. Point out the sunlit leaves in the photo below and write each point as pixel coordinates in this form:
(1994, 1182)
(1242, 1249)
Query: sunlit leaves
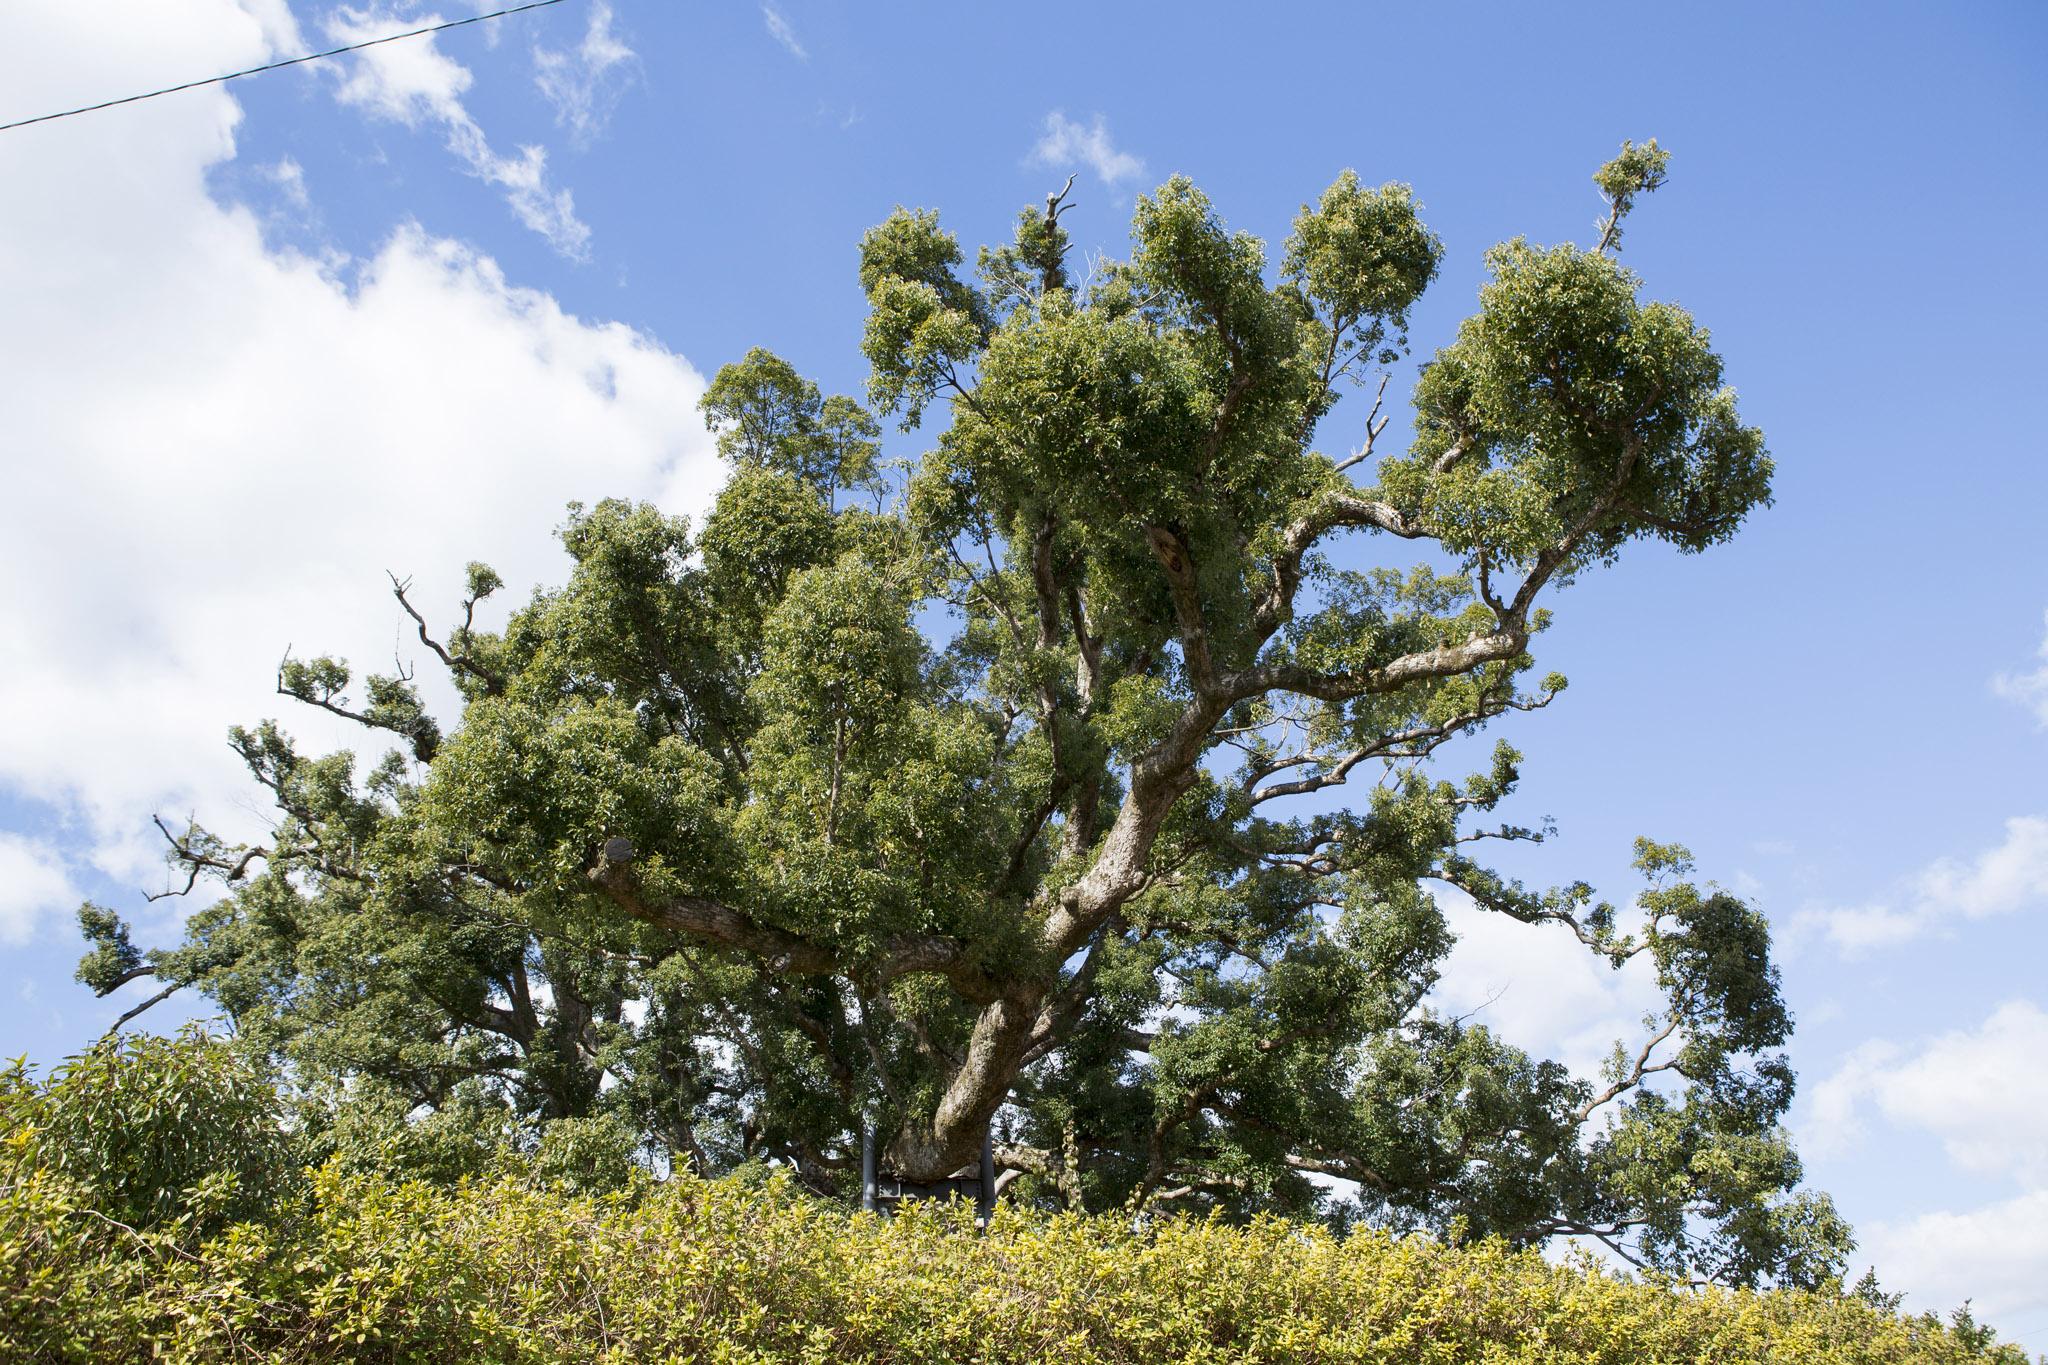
(1569, 418)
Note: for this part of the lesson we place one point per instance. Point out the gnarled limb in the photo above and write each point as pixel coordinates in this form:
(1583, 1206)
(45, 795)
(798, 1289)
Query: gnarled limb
(703, 920)
(1330, 512)
(457, 662)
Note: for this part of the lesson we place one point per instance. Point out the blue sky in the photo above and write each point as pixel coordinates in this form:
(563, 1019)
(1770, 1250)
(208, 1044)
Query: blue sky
(268, 340)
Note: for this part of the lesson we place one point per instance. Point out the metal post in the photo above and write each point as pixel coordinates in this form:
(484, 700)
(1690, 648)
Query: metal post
(985, 1195)
(867, 1165)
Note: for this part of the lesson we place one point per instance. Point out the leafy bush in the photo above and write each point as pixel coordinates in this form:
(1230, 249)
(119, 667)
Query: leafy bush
(120, 1174)
(156, 1133)
(514, 1270)
(588, 1155)
(373, 1129)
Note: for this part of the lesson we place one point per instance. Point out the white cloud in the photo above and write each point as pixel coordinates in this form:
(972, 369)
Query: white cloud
(33, 884)
(414, 82)
(779, 29)
(279, 29)
(1538, 987)
(583, 82)
(213, 449)
(2028, 689)
(1859, 929)
(1995, 1256)
(290, 179)
(2009, 877)
(1983, 1094)
(1066, 142)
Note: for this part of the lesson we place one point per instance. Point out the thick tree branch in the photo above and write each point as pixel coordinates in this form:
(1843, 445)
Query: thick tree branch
(132, 974)
(1057, 1017)
(1417, 742)
(1172, 553)
(1640, 1068)
(1047, 586)
(1443, 661)
(1329, 512)
(705, 921)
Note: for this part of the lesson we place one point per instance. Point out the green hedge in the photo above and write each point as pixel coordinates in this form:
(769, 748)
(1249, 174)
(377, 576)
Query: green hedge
(364, 1268)
(152, 1207)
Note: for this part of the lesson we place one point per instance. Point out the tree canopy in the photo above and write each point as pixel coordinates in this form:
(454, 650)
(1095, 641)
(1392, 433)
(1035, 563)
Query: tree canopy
(1014, 787)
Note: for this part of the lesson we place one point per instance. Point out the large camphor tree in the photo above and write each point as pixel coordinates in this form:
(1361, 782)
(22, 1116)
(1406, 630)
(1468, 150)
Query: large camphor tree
(1008, 788)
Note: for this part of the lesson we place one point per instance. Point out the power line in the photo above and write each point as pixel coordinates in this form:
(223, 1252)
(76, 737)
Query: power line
(290, 61)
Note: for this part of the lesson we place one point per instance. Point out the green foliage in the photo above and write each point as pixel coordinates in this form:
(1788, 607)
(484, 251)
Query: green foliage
(174, 1134)
(1627, 433)
(1011, 795)
(1638, 170)
(113, 958)
(394, 704)
(371, 1129)
(521, 1271)
(770, 417)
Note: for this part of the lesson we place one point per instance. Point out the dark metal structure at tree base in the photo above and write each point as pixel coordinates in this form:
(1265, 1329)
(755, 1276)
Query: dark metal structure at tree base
(881, 1192)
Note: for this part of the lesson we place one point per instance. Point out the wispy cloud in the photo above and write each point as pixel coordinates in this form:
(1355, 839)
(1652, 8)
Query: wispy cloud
(779, 29)
(2011, 876)
(1984, 1095)
(1066, 142)
(415, 83)
(2002, 879)
(290, 179)
(583, 82)
(2028, 689)
(1981, 1091)
(33, 885)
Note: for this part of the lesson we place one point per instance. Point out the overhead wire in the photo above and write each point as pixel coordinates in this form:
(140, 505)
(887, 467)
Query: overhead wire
(289, 61)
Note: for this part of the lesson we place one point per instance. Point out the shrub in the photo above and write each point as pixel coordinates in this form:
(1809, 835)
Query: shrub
(147, 1214)
(156, 1132)
(588, 1155)
(515, 1270)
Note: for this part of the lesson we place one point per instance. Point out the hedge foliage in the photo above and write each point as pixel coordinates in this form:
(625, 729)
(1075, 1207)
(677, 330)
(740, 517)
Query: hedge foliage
(516, 1266)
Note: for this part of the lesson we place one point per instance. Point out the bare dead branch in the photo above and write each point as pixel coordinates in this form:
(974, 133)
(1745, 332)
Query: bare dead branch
(458, 663)
(157, 999)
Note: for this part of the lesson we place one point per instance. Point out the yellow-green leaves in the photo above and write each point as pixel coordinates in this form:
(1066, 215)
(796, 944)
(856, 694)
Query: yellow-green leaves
(509, 1270)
